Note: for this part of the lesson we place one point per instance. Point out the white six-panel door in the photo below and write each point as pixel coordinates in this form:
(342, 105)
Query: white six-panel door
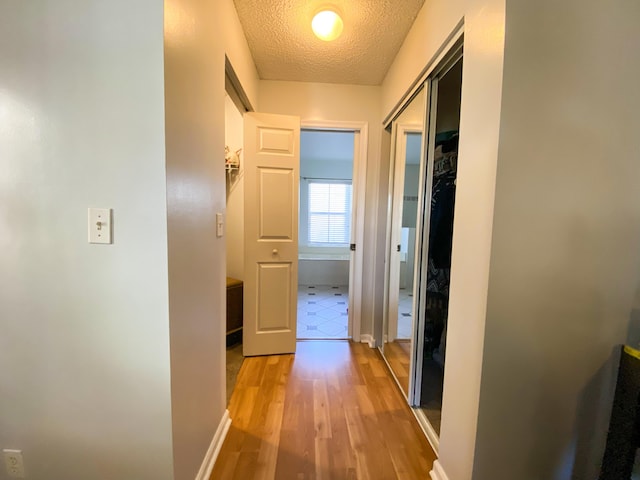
(272, 170)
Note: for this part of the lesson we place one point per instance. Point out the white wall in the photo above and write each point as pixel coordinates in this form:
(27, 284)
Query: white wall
(85, 385)
(411, 188)
(479, 133)
(339, 169)
(323, 272)
(313, 168)
(413, 112)
(319, 101)
(234, 218)
(194, 98)
(565, 264)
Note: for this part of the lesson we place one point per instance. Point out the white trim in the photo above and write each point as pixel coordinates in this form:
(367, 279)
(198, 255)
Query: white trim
(366, 338)
(422, 242)
(361, 142)
(388, 229)
(429, 432)
(438, 472)
(214, 449)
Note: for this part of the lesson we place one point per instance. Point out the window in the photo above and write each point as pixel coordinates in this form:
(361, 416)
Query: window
(329, 212)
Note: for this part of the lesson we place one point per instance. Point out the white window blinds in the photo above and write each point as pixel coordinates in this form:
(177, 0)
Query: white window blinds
(329, 212)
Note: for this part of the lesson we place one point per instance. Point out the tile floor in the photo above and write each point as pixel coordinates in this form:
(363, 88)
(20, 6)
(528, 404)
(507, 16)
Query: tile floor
(405, 317)
(322, 311)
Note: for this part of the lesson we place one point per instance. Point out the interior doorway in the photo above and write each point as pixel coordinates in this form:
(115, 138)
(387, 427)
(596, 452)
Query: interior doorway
(325, 226)
(236, 130)
(353, 135)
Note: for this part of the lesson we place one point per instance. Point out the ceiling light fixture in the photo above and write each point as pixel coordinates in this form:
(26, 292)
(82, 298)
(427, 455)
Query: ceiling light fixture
(327, 25)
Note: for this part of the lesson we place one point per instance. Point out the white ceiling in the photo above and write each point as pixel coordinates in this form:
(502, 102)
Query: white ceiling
(284, 47)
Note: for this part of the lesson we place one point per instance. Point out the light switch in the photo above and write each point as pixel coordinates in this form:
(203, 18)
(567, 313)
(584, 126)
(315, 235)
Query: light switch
(219, 224)
(99, 225)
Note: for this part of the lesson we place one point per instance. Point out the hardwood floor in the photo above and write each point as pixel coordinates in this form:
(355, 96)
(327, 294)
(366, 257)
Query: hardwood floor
(398, 354)
(332, 411)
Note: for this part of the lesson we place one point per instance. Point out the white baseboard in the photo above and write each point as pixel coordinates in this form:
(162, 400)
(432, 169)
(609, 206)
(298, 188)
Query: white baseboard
(366, 338)
(438, 472)
(214, 449)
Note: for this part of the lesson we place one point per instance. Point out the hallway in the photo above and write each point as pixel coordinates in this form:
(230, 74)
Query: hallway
(330, 411)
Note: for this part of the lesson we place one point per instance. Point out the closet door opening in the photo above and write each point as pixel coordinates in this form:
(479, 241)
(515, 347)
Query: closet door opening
(436, 242)
(404, 186)
(234, 134)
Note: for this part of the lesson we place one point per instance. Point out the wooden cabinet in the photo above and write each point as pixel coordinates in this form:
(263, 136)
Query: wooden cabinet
(234, 310)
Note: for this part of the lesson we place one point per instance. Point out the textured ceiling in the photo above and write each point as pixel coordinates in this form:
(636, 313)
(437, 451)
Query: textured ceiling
(284, 47)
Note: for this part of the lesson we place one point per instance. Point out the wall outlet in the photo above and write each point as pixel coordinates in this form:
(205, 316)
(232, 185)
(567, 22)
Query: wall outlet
(13, 463)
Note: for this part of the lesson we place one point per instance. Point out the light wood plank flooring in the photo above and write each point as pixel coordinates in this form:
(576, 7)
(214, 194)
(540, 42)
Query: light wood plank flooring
(398, 354)
(332, 411)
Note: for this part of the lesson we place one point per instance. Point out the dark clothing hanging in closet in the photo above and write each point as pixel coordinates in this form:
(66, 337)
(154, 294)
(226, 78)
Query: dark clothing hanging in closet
(441, 232)
(443, 201)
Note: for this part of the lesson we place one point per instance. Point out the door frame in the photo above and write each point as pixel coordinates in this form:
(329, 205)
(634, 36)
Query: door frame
(358, 182)
(422, 245)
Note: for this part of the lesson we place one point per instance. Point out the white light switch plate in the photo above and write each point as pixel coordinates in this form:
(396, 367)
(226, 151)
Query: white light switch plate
(99, 225)
(14, 464)
(219, 224)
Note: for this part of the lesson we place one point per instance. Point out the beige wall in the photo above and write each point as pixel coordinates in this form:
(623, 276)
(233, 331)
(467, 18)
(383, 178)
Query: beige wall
(479, 132)
(565, 264)
(321, 101)
(118, 349)
(562, 287)
(237, 51)
(83, 321)
(85, 383)
(435, 22)
(239, 55)
(194, 126)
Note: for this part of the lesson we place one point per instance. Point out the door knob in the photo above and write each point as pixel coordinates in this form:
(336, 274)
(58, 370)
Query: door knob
(274, 251)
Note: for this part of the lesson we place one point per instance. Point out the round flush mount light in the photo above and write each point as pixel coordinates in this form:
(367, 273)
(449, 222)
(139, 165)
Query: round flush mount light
(327, 25)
